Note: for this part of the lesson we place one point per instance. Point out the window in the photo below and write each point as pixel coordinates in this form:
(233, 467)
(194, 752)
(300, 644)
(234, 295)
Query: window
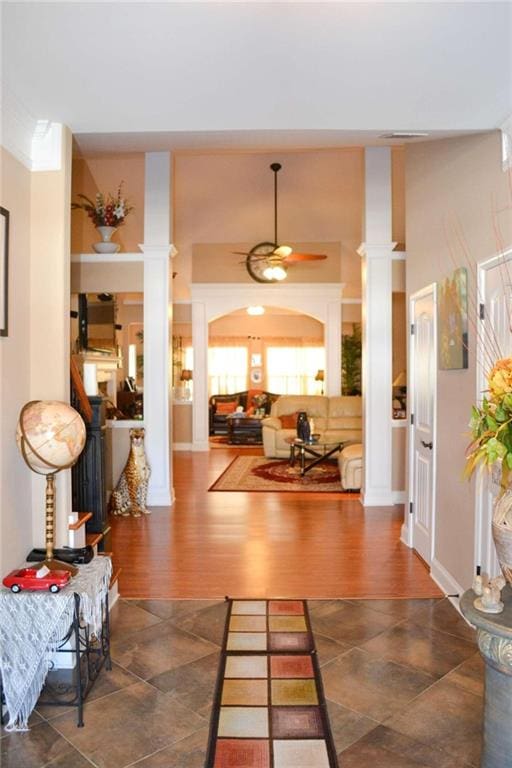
(227, 370)
(292, 370)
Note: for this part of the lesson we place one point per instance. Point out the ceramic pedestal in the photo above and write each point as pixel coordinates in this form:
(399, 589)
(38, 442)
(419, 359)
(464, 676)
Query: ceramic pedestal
(494, 634)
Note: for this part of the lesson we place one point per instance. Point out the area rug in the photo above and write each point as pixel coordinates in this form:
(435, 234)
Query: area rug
(257, 473)
(269, 708)
(221, 441)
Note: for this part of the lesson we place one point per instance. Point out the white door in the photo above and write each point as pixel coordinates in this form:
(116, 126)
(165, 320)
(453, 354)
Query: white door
(423, 361)
(494, 341)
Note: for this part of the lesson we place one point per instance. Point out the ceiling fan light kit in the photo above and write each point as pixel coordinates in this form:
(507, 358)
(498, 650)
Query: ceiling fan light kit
(256, 310)
(268, 262)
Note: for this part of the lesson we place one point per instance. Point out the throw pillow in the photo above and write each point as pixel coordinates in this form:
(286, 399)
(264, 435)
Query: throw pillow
(226, 407)
(289, 420)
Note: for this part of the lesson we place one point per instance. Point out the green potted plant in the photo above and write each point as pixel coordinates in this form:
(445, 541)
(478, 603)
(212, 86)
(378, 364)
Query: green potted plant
(351, 350)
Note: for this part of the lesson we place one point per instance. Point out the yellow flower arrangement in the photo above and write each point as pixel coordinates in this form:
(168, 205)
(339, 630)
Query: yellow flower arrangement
(491, 424)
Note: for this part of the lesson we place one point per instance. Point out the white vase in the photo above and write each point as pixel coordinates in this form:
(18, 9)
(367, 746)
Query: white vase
(502, 532)
(106, 246)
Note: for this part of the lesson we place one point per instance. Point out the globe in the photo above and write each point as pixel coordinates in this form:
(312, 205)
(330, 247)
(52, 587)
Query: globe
(50, 435)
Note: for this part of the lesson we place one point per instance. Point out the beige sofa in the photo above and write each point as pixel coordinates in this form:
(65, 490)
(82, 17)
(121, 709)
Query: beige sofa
(335, 418)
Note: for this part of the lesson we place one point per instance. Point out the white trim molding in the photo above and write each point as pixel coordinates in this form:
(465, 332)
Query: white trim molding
(506, 143)
(17, 126)
(47, 146)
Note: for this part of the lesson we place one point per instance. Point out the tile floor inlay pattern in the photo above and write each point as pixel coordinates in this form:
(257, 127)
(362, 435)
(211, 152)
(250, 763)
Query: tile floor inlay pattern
(403, 681)
(270, 711)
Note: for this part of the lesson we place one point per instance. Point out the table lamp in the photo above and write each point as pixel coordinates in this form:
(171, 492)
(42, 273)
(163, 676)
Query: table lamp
(320, 377)
(50, 436)
(186, 376)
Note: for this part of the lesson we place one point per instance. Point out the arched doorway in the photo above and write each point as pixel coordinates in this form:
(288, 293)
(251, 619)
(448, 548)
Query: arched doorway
(210, 301)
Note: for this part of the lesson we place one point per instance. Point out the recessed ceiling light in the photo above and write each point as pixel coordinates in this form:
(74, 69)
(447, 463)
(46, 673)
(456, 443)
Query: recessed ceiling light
(403, 135)
(256, 310)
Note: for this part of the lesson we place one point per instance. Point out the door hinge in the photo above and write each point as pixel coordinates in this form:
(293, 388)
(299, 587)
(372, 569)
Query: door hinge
(410, 507)
(412, 329)
(412, 418)
(481, 311)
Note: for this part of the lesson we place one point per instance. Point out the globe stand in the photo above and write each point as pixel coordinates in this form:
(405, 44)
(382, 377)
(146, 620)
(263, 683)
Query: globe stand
(49, 561)
(51, 450)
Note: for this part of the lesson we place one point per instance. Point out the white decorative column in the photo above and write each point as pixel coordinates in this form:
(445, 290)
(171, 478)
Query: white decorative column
(200, 422)
(157, 300)
(376, 252)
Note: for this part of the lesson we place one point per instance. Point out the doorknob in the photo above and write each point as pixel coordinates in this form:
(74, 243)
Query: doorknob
(426, 445)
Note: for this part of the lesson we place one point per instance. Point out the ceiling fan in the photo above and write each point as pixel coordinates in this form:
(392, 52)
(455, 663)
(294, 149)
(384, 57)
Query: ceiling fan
(268, 262)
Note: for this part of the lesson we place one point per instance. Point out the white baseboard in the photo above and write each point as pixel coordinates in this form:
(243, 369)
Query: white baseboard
(377, 499)
(201, 446)
(399, 497)
(444, 579)
(182, 447)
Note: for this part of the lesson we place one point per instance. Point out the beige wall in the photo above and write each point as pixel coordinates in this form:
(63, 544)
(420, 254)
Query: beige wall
(398, 196)
(15, 493)
(451, 186)
(228, 198)
(266, 326)
(110, 277)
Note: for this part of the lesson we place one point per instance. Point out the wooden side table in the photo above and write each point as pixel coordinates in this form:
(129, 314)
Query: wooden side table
(243, 430)
(494, 635)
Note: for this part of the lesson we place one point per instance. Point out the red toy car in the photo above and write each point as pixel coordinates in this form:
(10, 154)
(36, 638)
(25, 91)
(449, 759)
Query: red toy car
(27, 578)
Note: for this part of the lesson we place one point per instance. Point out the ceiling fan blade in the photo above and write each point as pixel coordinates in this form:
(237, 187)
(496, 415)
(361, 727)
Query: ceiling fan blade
(305, 257)
(240, 253)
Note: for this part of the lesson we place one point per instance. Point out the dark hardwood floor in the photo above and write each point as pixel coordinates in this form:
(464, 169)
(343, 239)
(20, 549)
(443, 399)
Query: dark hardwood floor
(308, 545)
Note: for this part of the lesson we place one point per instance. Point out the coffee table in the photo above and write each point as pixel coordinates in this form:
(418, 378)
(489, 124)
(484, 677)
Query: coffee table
(319, 450)
(244, 430)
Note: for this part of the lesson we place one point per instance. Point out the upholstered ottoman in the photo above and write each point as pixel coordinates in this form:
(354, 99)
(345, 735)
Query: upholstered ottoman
(350, 461)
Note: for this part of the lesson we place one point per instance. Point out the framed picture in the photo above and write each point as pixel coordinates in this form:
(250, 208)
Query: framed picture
(453, 321)
(256, 376)
(4, 272)
(255, 360)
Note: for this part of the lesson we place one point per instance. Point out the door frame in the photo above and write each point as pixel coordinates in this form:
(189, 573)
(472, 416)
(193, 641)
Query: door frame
(482, 551)
(408, 533)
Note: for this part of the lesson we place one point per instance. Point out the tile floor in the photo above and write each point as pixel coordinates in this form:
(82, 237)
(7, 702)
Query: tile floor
(403, 680)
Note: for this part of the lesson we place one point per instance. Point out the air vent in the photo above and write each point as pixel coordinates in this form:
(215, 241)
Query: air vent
(402, 135)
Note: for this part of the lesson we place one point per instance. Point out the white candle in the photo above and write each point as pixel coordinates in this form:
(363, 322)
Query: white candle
(90, 379)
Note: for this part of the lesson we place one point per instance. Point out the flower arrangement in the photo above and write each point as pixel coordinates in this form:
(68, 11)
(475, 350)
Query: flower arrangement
(106, 210)
(491, 424)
